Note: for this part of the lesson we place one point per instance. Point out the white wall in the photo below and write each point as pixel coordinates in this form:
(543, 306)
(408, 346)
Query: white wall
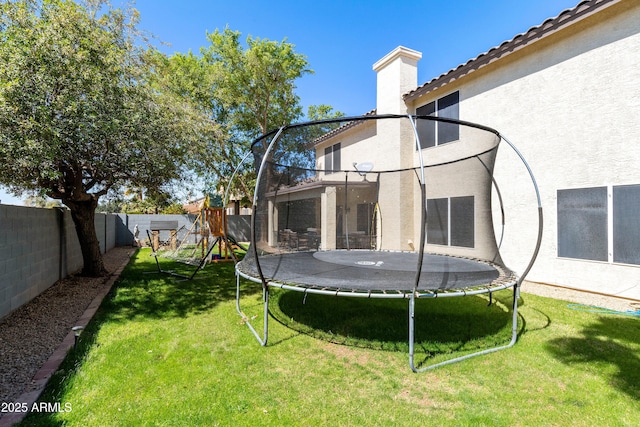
(571, 104)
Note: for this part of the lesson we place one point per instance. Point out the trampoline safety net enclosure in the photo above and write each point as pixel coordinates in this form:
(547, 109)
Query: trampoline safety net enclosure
(378, 206)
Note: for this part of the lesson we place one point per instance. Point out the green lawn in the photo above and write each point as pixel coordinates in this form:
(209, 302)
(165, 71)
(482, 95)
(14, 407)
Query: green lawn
(164, 352)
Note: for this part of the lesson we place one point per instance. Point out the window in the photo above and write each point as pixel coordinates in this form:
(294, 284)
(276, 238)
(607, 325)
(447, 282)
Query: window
(438, 221)
(600, 224)
(432, 133)
(297, 215)
(332, 158)
(365, 217)
(450, 221)
(626, 224)
(582, 223)
(462, 223)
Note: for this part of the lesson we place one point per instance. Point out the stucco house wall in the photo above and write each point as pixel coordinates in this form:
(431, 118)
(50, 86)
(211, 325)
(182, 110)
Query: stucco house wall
(570, 102)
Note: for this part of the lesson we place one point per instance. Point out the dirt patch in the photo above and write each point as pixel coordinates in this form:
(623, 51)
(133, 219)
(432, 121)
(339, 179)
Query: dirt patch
(581, 297)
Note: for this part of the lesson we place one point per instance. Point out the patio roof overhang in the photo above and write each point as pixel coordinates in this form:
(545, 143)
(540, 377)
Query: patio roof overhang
(318, 185)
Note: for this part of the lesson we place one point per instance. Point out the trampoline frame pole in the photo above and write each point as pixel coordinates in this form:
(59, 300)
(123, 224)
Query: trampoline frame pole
(423, 220)
(540, 214)
(265, 295)
(265, 285)
(412, 307)
(423, 206)
(514, 336)
(516, 286)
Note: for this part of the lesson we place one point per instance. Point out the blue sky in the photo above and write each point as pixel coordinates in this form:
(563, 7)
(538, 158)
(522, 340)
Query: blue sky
(343, 39)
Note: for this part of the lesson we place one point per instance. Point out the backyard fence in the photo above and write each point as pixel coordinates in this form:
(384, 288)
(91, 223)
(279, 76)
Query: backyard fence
(39, 246)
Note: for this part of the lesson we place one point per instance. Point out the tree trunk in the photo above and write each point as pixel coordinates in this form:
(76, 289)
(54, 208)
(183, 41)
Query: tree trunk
(83, 214)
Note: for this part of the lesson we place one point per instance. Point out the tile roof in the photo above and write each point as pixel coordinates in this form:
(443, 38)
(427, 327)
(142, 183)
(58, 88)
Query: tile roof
(551, 25)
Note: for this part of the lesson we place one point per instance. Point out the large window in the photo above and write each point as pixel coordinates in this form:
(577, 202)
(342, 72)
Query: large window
(450, 221)
(582, 223)
(432, 133)
(332, 158)
(438, 221)
(600, 224)
(297, 215)
(626, 224)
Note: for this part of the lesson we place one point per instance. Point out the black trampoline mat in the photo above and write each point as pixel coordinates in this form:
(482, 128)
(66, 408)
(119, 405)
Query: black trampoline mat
(363, 270)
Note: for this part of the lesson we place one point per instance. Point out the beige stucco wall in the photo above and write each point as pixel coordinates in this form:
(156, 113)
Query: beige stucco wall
(389, 145)
(571, 104)
(376, 142)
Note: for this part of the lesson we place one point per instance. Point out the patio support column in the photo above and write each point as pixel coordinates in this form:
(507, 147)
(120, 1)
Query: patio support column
(328, 222)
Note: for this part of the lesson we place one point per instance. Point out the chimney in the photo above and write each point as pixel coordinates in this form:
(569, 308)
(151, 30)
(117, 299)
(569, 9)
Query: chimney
(397, 75)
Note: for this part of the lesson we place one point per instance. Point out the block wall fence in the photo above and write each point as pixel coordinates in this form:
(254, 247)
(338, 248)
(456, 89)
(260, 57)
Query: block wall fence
(39, 246)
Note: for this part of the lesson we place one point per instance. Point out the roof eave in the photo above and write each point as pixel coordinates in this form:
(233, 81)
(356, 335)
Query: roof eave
(548, 27)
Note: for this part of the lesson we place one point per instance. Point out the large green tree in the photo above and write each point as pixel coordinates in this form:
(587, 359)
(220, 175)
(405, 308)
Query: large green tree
(257, 84)
(247, 89)
(81, 111)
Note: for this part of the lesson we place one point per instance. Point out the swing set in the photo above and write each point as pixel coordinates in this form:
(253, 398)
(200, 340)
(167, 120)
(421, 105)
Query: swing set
(206, 241)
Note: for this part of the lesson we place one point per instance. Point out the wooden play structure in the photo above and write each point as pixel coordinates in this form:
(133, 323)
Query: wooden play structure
(216, 220)
(206, 241)
(157, 227)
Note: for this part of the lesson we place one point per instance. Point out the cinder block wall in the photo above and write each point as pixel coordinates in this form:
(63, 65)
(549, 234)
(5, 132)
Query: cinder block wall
(105, 225)
(126, 224)
(239, 226)
(39, 247)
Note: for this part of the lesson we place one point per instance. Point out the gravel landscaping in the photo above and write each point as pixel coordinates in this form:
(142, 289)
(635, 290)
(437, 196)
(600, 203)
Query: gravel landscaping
(30, 334)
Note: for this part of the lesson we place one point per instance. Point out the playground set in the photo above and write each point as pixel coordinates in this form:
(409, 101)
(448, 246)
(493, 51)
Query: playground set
(207, 240)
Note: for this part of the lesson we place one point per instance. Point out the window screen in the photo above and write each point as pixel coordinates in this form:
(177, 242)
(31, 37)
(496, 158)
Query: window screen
(462, 222)
(626, 224)
(336, 157)
(332, 158)
(297, 215)
(426, 128)
(582, 223)
(328, 159)
(448, 107)
(438, 221)
(432, 133)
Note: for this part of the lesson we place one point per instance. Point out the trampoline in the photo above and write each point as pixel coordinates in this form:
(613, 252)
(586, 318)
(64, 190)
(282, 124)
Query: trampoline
(381, 206)
(378, 274)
